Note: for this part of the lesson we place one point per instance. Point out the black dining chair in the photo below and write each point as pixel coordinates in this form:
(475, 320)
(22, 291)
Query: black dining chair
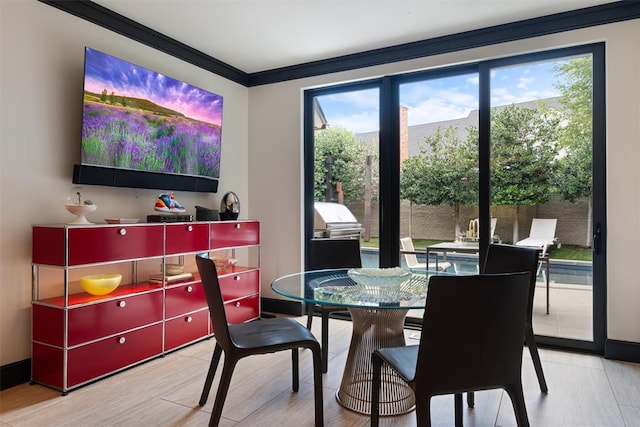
(323, 254)
(511, 259)
(246, 339)
(471, 339)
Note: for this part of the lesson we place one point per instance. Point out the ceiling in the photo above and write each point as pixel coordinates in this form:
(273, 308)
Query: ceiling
(260, 35)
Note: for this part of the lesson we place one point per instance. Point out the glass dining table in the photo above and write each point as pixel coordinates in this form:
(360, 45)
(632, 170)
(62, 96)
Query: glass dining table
(377, 314)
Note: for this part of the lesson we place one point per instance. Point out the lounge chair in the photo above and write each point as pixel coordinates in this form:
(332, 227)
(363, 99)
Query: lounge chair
(541, 236)
(409, 253)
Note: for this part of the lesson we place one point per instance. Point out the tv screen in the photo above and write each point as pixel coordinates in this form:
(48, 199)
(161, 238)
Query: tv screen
(138, 120)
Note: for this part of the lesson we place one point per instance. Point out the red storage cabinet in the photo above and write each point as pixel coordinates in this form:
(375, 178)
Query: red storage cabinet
(111, 354)
(243, 310)
(79, 338)
(227, 234)
(240, 285)
(186, 329)
(187, 237)
(94, 321)
(184, 298)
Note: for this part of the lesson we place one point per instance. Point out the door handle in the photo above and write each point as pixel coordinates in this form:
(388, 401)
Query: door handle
(597, 239)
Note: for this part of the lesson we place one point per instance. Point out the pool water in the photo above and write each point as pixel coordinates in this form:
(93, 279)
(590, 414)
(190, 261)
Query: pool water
(560, 272)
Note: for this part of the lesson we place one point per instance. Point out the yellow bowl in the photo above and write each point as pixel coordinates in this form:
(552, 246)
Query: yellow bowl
(100, 284)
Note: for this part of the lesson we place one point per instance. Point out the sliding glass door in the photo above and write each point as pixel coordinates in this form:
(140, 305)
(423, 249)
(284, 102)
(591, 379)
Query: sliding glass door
(344, 154)
(469, 155)
(543, 143)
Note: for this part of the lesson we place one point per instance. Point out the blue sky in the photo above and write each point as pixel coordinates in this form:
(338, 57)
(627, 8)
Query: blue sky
(125, 79)
(442, 99)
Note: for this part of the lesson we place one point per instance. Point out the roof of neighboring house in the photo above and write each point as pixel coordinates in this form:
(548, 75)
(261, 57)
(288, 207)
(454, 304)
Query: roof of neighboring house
(417, 133)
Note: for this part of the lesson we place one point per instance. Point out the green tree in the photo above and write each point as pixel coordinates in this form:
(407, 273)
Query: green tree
(524, 147)
(575, 83)
(444, 173)
(103, 96)
(349, 158)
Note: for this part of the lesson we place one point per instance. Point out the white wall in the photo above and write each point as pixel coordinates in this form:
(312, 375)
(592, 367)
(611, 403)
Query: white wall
(42, 54)
(275, 129)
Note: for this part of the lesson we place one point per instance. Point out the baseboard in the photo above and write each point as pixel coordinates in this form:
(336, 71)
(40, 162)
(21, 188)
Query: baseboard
(15, 373)
(622, 350)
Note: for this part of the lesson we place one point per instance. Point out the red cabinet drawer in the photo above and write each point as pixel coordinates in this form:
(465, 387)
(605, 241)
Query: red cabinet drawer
(102, 357)
(95, 321)
(243, 310)
(184, 299)
(47, 324)
(240, 285)
(230, 234)
(185, 329)
(186, 237)
(100, 244)
(46, 365)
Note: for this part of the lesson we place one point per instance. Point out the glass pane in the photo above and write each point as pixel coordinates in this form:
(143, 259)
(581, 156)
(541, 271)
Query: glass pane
(346, 164)
(541, 175)
(439, 173)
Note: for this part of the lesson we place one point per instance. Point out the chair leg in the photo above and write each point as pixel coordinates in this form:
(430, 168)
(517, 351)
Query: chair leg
(517, 399)
(535, 357)
(310, 311)
(376, 380)
(215, 359)
(457, 403)
(423, 411)
(227, 371)
(295, 369)
(317, 384)
(325, 341)
(471, 399)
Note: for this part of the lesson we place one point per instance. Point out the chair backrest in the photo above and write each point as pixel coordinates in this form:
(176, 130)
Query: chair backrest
(494, 222)
(543, 229)
(513, 259)
(334, 253)
(472, 333)
(407, 245)
(211, 285)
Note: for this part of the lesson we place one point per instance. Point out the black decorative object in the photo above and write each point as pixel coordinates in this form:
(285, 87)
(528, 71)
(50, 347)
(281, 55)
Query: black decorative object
(206, 214)
(229, 206)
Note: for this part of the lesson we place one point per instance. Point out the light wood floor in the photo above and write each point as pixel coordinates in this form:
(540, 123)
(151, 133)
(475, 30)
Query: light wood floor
(584, 390)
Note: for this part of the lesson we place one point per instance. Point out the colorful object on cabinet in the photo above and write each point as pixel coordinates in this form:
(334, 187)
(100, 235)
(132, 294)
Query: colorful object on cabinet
(100, 284)
(165, 202)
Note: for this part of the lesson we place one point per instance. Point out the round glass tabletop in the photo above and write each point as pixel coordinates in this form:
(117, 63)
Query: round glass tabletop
(335, 287)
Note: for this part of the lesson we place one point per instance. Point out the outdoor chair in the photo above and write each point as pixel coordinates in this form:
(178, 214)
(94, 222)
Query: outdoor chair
(409, 253)
(475, 229)
(323, 254)
(513, 259)
(247, 339)
(542, 235)
(471, 339)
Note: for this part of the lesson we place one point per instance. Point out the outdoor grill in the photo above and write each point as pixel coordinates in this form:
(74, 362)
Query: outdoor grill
(333, 220)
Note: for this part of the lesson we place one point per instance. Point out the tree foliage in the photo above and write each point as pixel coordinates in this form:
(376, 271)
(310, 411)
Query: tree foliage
(575, 83)
(444, 173)
(349, 157)
(524, 147)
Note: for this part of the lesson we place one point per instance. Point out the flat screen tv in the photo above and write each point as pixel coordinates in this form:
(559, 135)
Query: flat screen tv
(143, 129)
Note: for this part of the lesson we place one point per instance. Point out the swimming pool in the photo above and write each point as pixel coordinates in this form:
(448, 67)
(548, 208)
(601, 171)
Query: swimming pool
(560, 272)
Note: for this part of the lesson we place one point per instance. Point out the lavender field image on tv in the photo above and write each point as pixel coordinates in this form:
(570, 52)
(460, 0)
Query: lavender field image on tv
(135, 118)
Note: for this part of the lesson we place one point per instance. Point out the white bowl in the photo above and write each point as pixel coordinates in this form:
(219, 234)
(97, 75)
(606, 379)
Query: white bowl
(379, 277)
(80, 210)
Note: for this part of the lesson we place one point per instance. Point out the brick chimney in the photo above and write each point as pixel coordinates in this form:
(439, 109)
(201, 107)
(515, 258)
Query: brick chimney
(404, 133)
